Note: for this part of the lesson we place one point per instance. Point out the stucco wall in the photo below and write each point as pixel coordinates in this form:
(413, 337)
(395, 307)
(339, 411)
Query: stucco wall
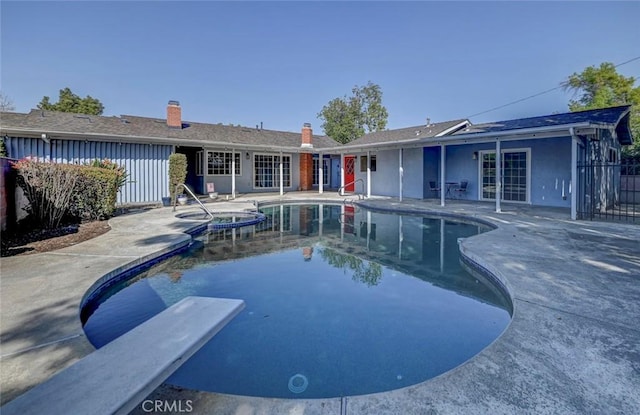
(244, 181)
(385, 180)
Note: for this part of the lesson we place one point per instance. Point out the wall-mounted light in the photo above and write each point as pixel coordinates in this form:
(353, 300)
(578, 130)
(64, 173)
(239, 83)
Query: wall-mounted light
(474, 156)
(246, 155)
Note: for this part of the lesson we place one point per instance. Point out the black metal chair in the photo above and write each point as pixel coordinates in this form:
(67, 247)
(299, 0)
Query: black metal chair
(462, 189)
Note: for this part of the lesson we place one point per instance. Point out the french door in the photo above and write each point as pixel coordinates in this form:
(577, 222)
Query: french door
(515, 169)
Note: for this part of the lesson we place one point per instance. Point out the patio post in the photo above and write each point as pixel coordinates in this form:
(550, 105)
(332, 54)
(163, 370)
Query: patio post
(281, 176)
(442, 172)
(498, 176)
(233, 173)
(400, 174)
(320, 174)
(341, 174)
(368, 174)
(574, 173)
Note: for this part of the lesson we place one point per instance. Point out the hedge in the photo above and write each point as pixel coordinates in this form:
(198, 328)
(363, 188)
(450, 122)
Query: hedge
(62, 191)
(95, 193)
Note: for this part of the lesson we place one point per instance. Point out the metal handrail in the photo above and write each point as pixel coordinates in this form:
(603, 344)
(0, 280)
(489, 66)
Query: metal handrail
(185, 187)
(350, 183)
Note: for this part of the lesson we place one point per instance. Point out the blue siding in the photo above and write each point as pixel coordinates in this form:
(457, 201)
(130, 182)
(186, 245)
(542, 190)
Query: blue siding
(550, 166)
(431, 170)
(147, 165)
(385, 181)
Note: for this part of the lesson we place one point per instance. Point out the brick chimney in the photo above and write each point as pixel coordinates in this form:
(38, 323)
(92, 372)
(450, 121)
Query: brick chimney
(307, 135)
(306, 159)
(174, 115)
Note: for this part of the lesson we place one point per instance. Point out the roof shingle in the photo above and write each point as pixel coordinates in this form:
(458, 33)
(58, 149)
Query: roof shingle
(134, 126)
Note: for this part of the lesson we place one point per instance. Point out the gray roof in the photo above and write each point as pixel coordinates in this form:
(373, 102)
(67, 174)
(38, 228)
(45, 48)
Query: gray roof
(134, 128)
(409, 133)
(608, 116)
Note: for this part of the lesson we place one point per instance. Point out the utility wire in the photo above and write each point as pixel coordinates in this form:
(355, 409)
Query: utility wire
(539, 93)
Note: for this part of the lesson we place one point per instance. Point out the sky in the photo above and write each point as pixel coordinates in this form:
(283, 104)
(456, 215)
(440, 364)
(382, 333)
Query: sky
(279, 63)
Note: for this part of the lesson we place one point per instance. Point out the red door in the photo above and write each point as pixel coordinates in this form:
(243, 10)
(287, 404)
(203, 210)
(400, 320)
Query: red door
(349, 173)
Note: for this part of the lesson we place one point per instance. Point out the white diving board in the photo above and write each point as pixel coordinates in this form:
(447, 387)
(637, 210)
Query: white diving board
(117, 377)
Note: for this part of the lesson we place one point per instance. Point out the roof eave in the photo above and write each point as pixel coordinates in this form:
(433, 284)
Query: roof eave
(36, 133)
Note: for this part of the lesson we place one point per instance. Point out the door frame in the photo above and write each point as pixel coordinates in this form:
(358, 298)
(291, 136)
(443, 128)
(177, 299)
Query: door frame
(349, 178)
(481, 154)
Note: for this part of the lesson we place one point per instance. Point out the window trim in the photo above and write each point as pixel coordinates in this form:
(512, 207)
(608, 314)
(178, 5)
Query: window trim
(363, 163)
(526, 150)
(273, 155)
(238, 163)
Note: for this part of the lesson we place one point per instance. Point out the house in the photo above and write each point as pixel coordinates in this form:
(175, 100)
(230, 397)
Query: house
(235, 159)
(563, 160)
(567, 160)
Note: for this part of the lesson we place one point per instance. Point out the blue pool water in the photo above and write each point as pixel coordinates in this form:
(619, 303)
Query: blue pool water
(339, 301)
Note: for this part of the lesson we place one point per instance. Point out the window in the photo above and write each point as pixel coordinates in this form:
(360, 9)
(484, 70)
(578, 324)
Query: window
(266, 169)
(515, 172)
(363, 163)
(199, 169)
(219, 163)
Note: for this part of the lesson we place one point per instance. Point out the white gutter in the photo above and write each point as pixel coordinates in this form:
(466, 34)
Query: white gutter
(465, 138)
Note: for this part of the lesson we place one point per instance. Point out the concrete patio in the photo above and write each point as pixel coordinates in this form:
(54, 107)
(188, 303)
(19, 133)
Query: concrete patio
(573, 345)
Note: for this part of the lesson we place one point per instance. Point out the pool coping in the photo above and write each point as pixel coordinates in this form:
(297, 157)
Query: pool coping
(495, 380)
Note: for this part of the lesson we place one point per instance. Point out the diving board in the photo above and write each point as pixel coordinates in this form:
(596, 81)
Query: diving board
(117, 377)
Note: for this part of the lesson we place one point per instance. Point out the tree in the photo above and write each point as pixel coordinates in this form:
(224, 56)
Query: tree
(70, 102)
(602, 87)
(6, 104)
(345, 119)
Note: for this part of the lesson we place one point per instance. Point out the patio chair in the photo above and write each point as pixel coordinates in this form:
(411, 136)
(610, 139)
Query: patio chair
(462, 189)
(434, 187)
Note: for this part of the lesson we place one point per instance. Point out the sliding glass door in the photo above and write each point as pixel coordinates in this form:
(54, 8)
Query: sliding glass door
(515, 171)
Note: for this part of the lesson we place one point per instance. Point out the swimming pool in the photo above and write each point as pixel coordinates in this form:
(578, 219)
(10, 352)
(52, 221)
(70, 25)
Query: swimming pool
(340, 301)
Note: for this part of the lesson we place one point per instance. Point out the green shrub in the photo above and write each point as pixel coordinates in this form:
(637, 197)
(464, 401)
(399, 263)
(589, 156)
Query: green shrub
(49, 189)
(177, 173)
(61, 191)
(95, 193)
(108, 164)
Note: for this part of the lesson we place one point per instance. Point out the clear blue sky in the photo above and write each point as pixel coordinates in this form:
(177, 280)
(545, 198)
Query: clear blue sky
(280, 62)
